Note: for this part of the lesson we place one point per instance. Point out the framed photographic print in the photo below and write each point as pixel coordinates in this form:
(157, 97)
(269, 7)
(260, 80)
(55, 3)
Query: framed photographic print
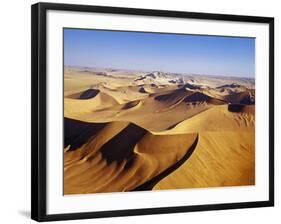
(139, 111)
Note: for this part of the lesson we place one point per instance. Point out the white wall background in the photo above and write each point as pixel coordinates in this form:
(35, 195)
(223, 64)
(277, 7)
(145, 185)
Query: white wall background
(15, 110)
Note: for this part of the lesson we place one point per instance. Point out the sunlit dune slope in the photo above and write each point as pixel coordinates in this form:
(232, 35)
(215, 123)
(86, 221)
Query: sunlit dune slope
(220, 159)
(217, 118)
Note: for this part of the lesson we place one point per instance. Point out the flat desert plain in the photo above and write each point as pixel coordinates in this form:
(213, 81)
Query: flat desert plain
(135, 130)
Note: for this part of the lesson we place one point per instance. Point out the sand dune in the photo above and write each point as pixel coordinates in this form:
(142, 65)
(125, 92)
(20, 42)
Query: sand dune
(220, 159)
(129, 159)
(201, 97)
(99, 101)
(215, 119)
(173, 96)
(130, 131)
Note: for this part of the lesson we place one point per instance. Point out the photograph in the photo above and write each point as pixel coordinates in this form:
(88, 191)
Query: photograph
(147, 111)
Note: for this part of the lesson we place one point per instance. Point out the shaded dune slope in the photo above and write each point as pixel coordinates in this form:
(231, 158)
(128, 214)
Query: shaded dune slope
(246, 97)
(250, 109)
(76, 133)
(231, 88)
(172, 96)
(187, 96)
(88, 94)
(131, 104)
(201, 97)
(143, 90)
(121, 146)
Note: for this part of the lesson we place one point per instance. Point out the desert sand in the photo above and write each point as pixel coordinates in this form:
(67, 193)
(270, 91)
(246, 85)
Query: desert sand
(135, 130)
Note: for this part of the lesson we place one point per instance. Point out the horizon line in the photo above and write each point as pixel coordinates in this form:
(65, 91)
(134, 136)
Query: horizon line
(180, 73)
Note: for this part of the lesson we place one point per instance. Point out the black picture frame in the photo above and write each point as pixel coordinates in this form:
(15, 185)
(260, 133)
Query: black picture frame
(39, 122)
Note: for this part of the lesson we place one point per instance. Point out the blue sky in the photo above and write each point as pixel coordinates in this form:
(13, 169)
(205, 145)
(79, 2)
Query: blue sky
(211, 55)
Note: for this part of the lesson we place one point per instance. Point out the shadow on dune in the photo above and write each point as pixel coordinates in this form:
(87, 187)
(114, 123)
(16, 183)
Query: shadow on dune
(77, 133)
(172, 95)
(235, 107)
(191, 86)
(151, 183)
(197, 97)
(122, 145)
(130, 104)
(142, 90)
(246, 97)
(88, 94)
(174, 125)
(201, 97)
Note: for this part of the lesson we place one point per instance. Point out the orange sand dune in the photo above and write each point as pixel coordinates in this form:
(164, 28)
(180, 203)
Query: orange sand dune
(121, 157)
(100, 101)
(215, 119)
(224, 155)
(220, 159)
